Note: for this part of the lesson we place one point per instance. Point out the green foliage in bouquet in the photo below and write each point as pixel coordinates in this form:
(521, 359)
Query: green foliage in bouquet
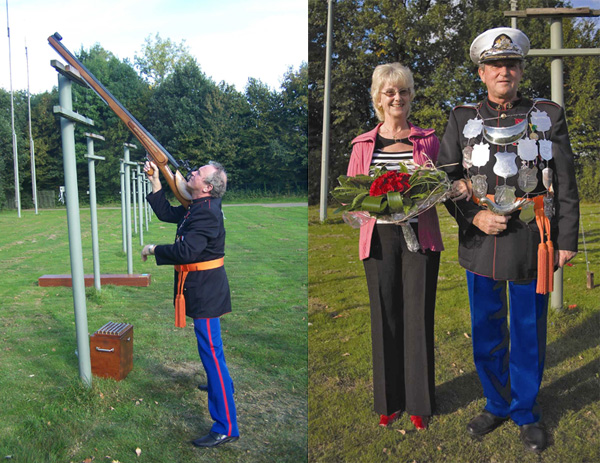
(392, 192)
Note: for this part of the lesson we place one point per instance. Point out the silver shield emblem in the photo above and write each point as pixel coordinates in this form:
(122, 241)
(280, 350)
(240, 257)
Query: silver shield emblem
(505, 164)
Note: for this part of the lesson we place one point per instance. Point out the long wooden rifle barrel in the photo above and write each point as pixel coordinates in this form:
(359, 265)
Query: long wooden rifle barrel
(156, 152)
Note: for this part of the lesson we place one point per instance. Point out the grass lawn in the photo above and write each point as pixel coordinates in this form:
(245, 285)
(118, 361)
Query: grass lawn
(342, 423)
(48, 415)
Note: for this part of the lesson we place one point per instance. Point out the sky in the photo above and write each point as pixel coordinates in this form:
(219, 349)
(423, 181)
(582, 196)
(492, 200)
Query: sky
(232, 40)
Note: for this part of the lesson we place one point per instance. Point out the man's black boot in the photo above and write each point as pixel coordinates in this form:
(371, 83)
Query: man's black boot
(484, 423)
(534, 437)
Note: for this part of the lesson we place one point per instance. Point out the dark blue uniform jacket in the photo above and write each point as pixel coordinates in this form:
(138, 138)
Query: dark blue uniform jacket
(512, 255)
(200, 238)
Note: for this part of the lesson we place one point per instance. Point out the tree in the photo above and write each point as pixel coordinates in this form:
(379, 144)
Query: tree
(126, 86)
(159, 58)
(179, 112)
(433, 39)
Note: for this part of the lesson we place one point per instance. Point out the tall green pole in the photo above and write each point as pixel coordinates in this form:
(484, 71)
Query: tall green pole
(123, 215)
(67, 128)
(557, 83)
(140, 203)
(128, 207)
(93, 211)
(146, 206)
(134, 198)
(326, 116)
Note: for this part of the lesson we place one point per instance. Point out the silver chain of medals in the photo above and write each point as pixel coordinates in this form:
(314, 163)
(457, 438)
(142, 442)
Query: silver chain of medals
(531, 146)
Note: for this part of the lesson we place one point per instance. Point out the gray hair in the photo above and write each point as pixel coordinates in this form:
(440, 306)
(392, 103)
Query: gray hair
(394, 74)
(218, 180)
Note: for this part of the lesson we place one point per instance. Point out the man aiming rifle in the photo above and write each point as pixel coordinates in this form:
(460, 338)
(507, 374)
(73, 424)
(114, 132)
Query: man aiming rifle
(201, 285)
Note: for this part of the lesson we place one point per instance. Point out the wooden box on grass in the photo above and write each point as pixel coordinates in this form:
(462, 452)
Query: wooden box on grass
(111, 350)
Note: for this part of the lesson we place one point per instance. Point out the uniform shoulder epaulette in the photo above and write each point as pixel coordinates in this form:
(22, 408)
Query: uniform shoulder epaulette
(544, 100)
(468, 106)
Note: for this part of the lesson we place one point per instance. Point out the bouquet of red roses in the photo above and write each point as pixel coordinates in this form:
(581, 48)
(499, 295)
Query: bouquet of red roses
(396, 195)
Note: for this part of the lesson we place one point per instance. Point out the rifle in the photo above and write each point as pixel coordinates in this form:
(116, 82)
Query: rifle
(155, 151)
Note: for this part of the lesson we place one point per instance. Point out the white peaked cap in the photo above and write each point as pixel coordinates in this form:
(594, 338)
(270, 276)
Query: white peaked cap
(499, 43)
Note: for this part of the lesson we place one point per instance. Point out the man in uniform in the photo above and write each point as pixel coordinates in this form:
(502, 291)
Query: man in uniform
(201, 286)
(521, 222)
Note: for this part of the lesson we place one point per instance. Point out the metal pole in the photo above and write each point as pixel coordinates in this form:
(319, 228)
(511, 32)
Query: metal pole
(93, 212)
(326, 116)
(12, 117)
(146, 206)
(31, 147)
(134, 197)
(556, 72)
(128, 208)
(513, 20)
(74, 226)
(140, 203)
(123, 215)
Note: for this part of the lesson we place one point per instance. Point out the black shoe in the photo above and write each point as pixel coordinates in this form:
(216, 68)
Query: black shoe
(533, 437)
(203, 387)
(212, 439)
(484, 423)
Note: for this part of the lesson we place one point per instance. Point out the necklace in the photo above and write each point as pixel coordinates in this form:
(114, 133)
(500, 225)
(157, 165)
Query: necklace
(395, 135)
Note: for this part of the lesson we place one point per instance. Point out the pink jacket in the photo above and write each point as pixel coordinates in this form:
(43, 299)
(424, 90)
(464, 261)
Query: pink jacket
(425, 146)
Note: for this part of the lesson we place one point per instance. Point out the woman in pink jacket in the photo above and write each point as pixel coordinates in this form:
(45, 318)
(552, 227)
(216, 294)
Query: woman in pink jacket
(402, 284)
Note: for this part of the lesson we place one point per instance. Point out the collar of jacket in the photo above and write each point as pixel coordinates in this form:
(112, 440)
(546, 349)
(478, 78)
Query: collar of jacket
(415, 132)
(503, 107)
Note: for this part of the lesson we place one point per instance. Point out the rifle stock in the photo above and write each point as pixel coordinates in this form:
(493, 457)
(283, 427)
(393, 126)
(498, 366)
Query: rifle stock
(156, 152)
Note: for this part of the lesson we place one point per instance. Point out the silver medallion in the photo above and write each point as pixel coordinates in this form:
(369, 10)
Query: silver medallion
(481, 154)
(527, 149)
(548, 206)
(472, 128)
(467, 154)
(547, 177)
(527, 213)
(541, 120)
(527, 180)
(505, 164)
(480, 186)
(505, 195)
(546, 149)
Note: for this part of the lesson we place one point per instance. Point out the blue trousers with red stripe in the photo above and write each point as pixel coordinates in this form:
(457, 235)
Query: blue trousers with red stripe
(509, 362)
(220, 386)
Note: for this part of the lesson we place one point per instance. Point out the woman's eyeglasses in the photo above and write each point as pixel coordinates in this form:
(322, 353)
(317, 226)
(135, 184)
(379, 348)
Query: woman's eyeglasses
(391, 92)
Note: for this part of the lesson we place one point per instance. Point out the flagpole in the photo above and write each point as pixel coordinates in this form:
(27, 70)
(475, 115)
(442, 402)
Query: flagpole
(12, 115)
(31, 146)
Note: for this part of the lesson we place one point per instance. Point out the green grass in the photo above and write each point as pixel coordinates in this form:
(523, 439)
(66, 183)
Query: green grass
(342, 424)
(48, 415)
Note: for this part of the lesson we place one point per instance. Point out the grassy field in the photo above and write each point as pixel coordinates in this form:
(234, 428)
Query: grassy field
(342, 424)
(47, 415)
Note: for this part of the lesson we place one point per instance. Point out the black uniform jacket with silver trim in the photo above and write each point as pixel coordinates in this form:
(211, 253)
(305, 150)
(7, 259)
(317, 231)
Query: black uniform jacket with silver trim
(200, 238)
(511, 255)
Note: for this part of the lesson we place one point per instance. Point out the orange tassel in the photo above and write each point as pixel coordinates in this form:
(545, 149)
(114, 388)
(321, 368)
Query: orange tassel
(550, 266)
(179, 311)
(542, 277)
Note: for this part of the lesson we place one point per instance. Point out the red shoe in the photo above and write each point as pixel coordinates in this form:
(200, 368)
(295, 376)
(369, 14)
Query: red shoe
(420, 422)
(387, 420)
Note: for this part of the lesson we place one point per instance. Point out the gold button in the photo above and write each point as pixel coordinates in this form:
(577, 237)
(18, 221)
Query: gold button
(503, 116)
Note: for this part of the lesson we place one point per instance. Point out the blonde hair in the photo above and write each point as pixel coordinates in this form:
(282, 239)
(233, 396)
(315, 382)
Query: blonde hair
(393, 74)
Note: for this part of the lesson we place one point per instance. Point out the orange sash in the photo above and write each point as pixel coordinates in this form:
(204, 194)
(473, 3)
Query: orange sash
(182, 271)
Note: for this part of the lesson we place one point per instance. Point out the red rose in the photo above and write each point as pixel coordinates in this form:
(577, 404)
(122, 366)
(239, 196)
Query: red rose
(390, 181)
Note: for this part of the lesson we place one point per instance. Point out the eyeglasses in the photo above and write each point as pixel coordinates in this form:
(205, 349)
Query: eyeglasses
(391, 92)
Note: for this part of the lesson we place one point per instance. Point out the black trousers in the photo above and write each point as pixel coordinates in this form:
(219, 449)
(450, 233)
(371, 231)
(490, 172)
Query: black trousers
(402, 287)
